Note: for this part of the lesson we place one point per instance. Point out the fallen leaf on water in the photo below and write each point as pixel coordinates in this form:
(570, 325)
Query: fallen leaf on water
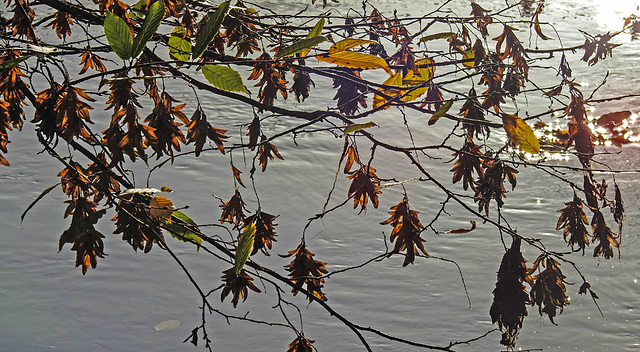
(167, 325)
(461, 230)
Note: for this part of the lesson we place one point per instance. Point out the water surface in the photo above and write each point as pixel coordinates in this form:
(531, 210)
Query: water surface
(48, 304)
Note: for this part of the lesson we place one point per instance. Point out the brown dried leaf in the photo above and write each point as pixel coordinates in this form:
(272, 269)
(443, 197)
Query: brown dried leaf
(301, 343)
(166, 129)
(238, 284)
(301, 84)
(604, 236)
(135, 224)
(241, 32)
(264, 153)
(90, 60)
(510, 295)
(535, 21)
(11, 89)
(272, 80)
(350, 93)
(236, 175)
(481, 18)
(491, 184)
(513, 48)
(573, 220)
(61, 24)
(88, 248)
(406, 231)
(460, 230)
(22, 20)
(102, 179)
(548, 291)
(468, 160)
(613, 119)
(472, 111)
(265, 231)
(199, 129)
(618, 207)
(254, 132)
(364, 186)
(352, 156)
(233, 210)
(304, 270)
(71, 114)
(597, 46)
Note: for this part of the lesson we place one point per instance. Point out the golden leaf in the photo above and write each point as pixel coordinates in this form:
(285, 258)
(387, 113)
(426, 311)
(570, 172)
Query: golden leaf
(393, 80)
(347, 44)
(520, 133)
(355, 60)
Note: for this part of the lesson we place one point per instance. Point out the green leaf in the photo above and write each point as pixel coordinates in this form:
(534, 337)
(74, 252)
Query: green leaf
(304, 44)
(149, 27)
(179, 44)
(180, 228)
(520, 133)
(358, 126)
(119, 36)
(137, 10)
(443, 35)
(317, 29)
(44, 193)
(79, 227)
(438, 114)
(244, 246)
(10, 63)
(225, 78)
(314, 32)
(210, 29)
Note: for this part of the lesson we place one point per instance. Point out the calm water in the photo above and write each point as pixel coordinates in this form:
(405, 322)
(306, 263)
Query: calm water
(46, 303)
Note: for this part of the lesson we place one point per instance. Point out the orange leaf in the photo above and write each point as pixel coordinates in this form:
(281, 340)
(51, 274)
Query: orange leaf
(161, 207)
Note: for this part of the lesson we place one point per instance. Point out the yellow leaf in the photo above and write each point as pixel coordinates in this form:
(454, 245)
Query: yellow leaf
(355, 60)
(469, 54)
(520, 133)
(393, 80)
(425, 73)
(358, 126)
(346, 44)
(414, 93)
(415, 83)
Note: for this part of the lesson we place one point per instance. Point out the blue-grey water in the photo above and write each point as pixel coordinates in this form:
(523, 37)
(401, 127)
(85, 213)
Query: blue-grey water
(47, 304)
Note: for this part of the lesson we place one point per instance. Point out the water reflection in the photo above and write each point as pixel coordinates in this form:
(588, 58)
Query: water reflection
(609, 15)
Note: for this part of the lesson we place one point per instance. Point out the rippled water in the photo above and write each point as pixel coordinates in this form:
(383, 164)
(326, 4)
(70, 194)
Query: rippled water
(47, 304)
